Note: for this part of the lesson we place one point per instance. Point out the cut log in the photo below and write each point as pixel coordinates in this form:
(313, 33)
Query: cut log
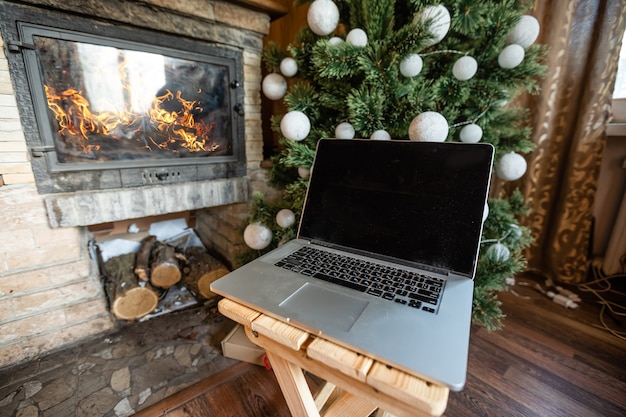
(142, 262)
(129, 298)
(164, 268)
(201, 270)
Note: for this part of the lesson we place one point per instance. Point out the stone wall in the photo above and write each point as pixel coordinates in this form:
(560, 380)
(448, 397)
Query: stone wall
(50, 291)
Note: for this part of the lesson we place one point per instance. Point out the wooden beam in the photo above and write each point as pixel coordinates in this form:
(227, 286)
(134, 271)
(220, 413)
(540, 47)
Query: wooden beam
(274, 8)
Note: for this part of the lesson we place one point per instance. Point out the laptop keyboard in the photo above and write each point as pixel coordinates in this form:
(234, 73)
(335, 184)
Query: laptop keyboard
(404, 287)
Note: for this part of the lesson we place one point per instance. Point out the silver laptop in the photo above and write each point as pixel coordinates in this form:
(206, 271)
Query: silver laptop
(385, 255)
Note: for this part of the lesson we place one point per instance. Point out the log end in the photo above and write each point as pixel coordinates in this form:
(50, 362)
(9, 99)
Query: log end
(136, 303)
(165, 275)
(204, 283)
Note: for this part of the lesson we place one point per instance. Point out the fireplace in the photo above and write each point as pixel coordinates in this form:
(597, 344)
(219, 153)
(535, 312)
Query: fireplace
(116, 107)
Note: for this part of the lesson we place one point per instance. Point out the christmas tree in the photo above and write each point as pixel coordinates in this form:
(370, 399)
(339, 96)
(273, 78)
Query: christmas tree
(407, 70)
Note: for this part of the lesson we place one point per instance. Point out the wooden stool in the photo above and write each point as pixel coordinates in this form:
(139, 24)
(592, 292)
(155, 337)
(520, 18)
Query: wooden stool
(356, 384)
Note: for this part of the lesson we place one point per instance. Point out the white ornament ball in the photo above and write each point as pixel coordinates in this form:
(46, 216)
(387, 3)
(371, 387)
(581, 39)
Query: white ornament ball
(323, 17)
(498, 252)
(295, 125)
(440, 22)
(288, 67)
(411, 65)
(257, 236)
(464, 68)
(471, 133)
(335, 40)
(304, 172)
(486, 211)
(429, 126)
(525, 32)
(511, 56)
(511, 166)
(381, 135)
(516, 231)
(357, 37)
(344, 130)
(274, 86)
(285, 218)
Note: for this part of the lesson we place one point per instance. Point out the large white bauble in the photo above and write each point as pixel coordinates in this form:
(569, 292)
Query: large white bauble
(471, 133)
(429, 126)
(464, 68)
(498, 252)
(285, 218)
(411, 65)
(257, 236)
(525, 32)
(381, 135)
(511, 166)
(511, 56)
(288, 67)
(357, 37)
(274, 86)
(344, 130)
(335, 40)
(323, 17)
(440, 22)
(295, 125)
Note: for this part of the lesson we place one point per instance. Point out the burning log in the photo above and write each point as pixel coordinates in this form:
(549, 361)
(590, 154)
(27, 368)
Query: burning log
(142, 261)
(129, 299)
(164, 269)
(201, 270)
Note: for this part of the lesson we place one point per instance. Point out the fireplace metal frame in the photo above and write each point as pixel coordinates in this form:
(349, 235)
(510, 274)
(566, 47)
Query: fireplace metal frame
(19, 22)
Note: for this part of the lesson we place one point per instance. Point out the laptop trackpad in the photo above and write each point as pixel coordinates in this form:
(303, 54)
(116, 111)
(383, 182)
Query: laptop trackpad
(316, 304)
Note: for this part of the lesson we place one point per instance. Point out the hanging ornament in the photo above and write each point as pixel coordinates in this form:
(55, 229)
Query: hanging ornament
(525, 32)
(304, 172)
(515, 232)
(335, 40)
(440, 23)
(464, 68)
(486, 211)
(381, 135)
(498, 252)
(285, 218)
(274, 86)
(471, 133)
(288, 67)
(344, 130)
(357, 37)
(411, 65)
(511, 56)
(257, 236)
(511, 166)
(295, 125)
(429, 126)
(323, 17)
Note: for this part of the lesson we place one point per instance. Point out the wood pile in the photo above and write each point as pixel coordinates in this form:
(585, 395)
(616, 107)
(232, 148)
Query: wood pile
(134, 281)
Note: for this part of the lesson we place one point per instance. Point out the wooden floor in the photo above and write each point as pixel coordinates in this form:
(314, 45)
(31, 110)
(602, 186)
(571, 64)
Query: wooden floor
(547, 361)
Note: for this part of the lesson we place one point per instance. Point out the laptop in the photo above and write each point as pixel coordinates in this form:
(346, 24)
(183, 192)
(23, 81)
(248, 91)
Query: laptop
(410, 211)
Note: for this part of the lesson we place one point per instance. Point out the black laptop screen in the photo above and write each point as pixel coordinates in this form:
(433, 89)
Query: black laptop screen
(421, 202)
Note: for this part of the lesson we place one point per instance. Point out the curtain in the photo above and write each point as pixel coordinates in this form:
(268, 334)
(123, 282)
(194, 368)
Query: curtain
(569, 118)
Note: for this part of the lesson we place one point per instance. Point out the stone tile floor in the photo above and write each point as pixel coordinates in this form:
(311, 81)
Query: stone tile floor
(118, 374)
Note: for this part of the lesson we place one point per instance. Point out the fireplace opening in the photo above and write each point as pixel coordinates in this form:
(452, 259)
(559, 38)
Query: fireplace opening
(111, 106)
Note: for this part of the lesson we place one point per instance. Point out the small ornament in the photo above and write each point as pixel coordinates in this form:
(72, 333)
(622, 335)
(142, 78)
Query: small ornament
(288, 67)
(515, 231)
(486, 211)
(411, 66)
(464, 68)
(344, 130)
(304, 172)
(335, 40)
(295, 125)
(525, 32)
(323, 17)
(511, 166)
(257, 236)
(511, 56)
(357, 37)
(381, 135)
(471, 133)
(285, 218)
(429, 126)
(274, 86)
(498, 252)
(440, 23)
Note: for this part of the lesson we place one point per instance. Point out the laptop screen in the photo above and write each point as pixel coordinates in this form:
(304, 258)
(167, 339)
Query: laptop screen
(420, 202)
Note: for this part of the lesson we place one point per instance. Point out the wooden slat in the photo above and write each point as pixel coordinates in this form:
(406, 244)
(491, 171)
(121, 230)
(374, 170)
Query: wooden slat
(345, 360)
(408, 388)
(350, 405)
(237, 312)
(279, 331)
(322, 396)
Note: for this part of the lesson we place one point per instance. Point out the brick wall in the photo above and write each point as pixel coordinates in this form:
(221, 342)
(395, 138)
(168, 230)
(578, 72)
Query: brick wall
(50, 291)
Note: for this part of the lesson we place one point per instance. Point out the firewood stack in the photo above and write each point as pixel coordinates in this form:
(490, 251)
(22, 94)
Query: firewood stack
(133, 281)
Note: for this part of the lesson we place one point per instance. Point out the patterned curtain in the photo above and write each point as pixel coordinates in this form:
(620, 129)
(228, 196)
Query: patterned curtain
(570, 117)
